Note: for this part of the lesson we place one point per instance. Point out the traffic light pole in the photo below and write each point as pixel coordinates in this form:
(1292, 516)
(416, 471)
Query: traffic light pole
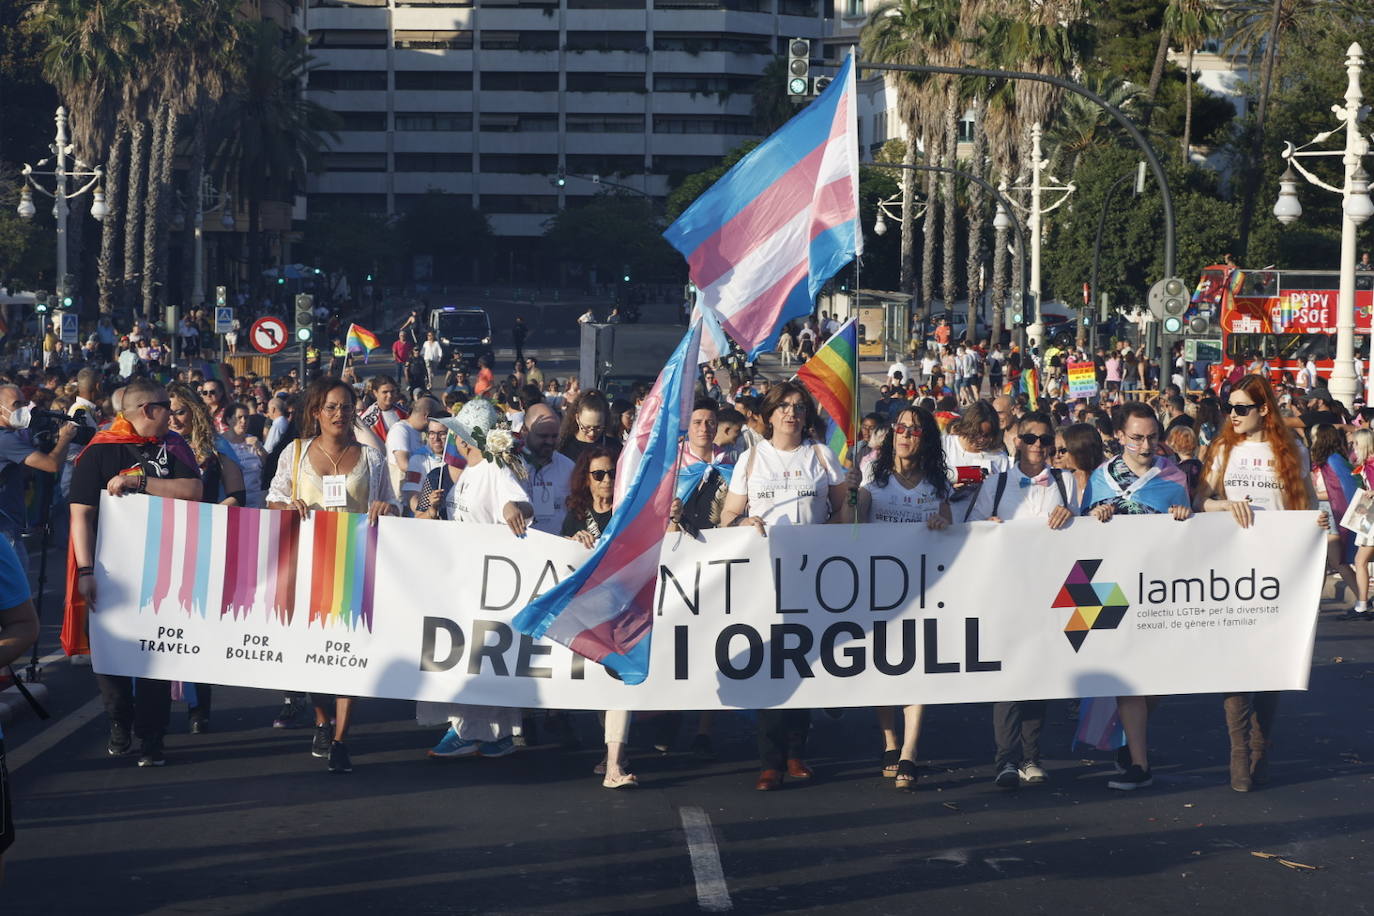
(1165, 194)
(1002, 202)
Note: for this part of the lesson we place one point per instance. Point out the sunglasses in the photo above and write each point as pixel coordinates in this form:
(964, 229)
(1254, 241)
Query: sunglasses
(213, 391)
(601, 475)
(901, 429)
(1031, 439)
(1061, 451)
(165, 405)
(1241, 409)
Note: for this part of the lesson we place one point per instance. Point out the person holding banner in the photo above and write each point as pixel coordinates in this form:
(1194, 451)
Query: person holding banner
(137, 454)
(328, 470)
(1030, 489)
(488, 491)
(1254, 464)
(786, 479)
(905, 482)
(1137, 482)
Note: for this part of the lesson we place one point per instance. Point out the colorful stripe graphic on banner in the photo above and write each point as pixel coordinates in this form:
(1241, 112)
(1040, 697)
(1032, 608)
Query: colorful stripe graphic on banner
(343, 570)
(177, 548)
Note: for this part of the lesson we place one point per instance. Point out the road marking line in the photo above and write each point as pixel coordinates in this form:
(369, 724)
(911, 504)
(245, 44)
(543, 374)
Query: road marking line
(59, 730)
(712, 894)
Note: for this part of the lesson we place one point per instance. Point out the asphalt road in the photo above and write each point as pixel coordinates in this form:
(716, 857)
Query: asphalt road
(244, 820)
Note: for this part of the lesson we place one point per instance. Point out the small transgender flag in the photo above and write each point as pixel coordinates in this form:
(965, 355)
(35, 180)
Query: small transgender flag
(604, 610)
(764, 239)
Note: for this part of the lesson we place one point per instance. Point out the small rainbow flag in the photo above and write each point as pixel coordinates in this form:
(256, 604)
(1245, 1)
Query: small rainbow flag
(832, 377)
(1030, 380)
(834, 438)
(361, 341)
(452, 456)
(343, 569)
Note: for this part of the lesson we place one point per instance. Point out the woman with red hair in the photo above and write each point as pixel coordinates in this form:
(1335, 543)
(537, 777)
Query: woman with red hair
(1254, 463)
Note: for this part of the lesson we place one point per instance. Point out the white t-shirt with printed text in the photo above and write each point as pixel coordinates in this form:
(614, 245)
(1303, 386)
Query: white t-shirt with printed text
(1251, 474)
(787, 488)
(893, 502)
(481, 492)
(548, 488)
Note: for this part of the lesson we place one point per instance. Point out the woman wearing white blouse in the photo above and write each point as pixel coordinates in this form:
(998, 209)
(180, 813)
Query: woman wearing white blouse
(786, 479)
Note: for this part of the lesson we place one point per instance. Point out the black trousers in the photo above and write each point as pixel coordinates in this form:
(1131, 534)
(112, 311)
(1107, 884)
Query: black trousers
(147, 708)
(202, 708)
(1016, 727)
(782, 736)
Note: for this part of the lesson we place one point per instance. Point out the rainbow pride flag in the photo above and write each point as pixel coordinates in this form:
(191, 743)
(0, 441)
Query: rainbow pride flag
(834, 438)
(453, 457)
(343, 569)
(361, 341)
(832, 377)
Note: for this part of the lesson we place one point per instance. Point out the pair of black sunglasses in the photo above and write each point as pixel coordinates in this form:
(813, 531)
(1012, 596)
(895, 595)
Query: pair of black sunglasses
(601, 475)
(1032, 438)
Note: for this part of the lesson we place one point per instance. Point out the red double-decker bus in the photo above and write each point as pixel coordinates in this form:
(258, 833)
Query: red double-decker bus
(1286, 317)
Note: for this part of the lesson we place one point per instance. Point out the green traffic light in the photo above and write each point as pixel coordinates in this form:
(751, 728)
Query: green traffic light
(1173, 324)
(281, 281)
(66, 302)
(303, 334)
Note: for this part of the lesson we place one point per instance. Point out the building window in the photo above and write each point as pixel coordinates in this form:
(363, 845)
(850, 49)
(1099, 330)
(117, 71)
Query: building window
(355, 162)
(519, 203)
(965, 130)
(738, 6)
(519, 41)
(348, 38)
(853, 8)
(703, 124)
(605, 4)
(520, 81)
(519, 163)
(603, 164)
(605, 124)
(805, 8)
(346, 3)
(697, 42)
(435, 80)
(672, 82)
(433, 120)
(430, 40)
(606, 41)
(467, 3)
(332, 80)
(605, 82)
(433, 162)
(347, 203)
(663, 165)
(362, 120)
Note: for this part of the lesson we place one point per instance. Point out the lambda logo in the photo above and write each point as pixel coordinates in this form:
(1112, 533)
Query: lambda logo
(1099, 606)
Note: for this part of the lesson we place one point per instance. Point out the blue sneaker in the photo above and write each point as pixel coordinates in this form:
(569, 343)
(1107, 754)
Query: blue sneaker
(452, 746)
(503, 748)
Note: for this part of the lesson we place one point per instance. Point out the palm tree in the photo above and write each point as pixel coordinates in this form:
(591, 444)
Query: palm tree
(976, 255)
(1191, 21)
(772, 105)
(269, 136)
(1082, 125)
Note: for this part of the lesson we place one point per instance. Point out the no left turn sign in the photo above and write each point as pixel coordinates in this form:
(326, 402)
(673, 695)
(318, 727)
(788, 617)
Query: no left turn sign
(268, 335)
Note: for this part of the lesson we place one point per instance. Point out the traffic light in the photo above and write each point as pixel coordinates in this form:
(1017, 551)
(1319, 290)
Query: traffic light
(67, 302)
(820, 83)
(562, 179)
(40, 302)
(305, 317)
(1168, 301)
(221, 296)
(369, 278)
(626, 276)
(799, 68)
(281, 281)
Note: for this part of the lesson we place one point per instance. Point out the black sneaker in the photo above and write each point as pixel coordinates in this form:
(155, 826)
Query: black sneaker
(1133, 778)
(1009, 777)
(290, 716)
(121, 742)
(150, 753)
(1123, 759)
(319, 746)
(702, 748)
(339, 761)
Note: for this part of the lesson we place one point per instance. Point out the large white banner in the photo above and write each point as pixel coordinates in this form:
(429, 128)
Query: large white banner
(834, 615)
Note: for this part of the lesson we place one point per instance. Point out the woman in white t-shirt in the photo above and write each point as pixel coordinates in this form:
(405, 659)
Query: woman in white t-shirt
(906, 483)
(786, 479)
(972, 449)
(1254, 463)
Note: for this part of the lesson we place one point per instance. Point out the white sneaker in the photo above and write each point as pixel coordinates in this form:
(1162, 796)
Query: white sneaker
(1033, 774)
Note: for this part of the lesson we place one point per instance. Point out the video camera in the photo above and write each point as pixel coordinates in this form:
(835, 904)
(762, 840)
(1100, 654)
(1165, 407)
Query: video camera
(44, 424)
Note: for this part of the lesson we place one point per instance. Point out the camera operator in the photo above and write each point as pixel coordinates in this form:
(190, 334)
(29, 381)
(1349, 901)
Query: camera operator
(135, 455)
(17, 452)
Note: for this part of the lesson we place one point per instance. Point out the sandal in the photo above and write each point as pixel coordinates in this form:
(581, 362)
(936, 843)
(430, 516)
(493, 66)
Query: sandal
(623, 781)
(600, 768)
(906, 774)
(890, 759)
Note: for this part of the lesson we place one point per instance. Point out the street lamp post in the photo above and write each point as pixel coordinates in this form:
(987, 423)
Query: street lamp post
(1356, 209)
(208, 200)
(65, 166)
(1035, 212)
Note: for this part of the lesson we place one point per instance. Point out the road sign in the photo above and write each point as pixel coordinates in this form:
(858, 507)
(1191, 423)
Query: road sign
(224, 319)
(269, 335)
(69, 328)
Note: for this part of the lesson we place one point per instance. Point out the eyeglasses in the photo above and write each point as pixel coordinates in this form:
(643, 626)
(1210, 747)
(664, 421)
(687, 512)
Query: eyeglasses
(1140, 440)
(1240, 409)
(902, 429)
(595, 428)
(602, 474)
(1031, 439)
(336, 408)
(793, 406)
(165, 405)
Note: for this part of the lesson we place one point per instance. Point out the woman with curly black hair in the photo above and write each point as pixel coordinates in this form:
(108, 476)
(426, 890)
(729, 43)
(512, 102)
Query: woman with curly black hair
(906, 482)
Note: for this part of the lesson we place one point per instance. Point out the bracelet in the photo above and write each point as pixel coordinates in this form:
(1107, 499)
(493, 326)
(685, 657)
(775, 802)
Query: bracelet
(143, 483)
(85, 571)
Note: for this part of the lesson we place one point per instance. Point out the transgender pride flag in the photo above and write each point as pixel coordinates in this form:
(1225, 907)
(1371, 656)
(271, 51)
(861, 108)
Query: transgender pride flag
(604, 610)
(764, 239)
